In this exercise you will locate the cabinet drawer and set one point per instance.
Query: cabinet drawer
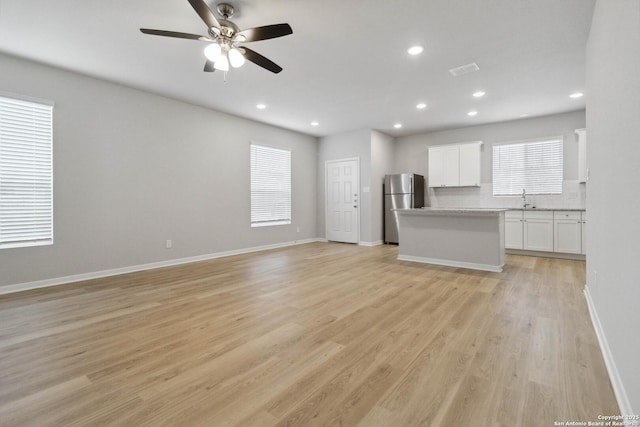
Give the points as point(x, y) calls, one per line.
point(538, 215)
point(571, 215)
point(513, 215)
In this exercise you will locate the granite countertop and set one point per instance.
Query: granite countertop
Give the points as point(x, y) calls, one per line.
point(455, 211)
point(548, 209)
point(435, 209)
point(429, 209)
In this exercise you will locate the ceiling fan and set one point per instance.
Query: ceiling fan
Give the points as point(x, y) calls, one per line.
point(224, 39)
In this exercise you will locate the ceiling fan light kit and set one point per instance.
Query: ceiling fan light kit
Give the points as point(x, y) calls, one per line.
point(224, 37)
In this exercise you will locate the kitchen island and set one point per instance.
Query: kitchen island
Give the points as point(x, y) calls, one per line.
point(456, 237)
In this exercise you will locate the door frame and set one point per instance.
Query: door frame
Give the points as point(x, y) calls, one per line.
point(326, 194)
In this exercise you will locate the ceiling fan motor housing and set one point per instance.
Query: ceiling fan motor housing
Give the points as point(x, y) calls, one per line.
point(225, 37)
point(228, 28)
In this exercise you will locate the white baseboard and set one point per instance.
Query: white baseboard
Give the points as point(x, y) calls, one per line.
point(376, 243)
point(614, 375)
point(449, 263)
point(578, 257)
point(130, 269)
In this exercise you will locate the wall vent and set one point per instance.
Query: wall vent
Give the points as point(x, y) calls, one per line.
point(464, 69)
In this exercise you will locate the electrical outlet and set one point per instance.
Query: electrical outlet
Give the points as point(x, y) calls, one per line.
point(169, 244)
point(298, 229)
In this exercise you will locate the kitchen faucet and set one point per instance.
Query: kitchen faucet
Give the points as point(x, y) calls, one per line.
point(524, 199)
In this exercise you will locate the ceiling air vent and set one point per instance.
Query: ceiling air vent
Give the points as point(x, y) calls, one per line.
point(464, 69)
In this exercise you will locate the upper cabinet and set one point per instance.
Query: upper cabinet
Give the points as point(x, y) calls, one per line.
point(583, 170)
point(444, 166)
point(455, 165)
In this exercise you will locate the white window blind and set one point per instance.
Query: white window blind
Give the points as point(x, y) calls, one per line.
point(534, 166)
point(270, 186)
point(26, 181)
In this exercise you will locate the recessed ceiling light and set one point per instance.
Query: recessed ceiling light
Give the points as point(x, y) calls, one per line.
point(472, 113)
point(397, 125)
point(479, 94)
point(415, 50)
point(314, 123)
point(261, 106)
point(576, 95)
point(421, 106)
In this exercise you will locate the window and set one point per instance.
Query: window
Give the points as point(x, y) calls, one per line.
point(26, 181)
point(534, 166)
point(270, 186)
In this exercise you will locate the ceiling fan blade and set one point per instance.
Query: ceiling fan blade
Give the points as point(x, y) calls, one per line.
point(260, 60)
point(205, 13)
point(266, 32)
point(173, 34)
point(208, 67)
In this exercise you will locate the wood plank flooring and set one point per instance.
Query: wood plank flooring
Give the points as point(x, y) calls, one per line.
point(317, 334)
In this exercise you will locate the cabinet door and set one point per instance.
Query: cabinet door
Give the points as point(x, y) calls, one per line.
point(567, 232)
point(584, 234)
point(513, 233)
point(582, 155)
point(443, 166)
point(470, 164)
point(538, 231)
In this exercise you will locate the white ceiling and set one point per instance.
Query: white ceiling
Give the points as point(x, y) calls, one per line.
point(345, 65)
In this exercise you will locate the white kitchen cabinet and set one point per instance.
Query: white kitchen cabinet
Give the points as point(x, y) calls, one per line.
point(470, 165)
point(513, 230)
point(538, 230)
point(583, 170)
point(444, 166)
point(583, 233)
point(567, 231)
point(455, 165)
point(546, 231)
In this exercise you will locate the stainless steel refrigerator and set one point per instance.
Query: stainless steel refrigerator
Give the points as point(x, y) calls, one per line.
point(401, 191)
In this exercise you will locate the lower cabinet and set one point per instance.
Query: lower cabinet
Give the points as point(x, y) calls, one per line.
point(567, 232)
point(545, 231)
point(584, 233)
point(538, 231)
point(513, 230)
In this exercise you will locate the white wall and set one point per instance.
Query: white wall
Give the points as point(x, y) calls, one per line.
point(613, 141)
point(345, 146)
point(376, 152)
point(412, 155)
point(382, 163)
point(132, 169)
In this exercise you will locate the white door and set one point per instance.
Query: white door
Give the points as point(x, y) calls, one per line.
point(343, 201)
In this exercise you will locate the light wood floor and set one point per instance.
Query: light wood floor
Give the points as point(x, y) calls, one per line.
point(317, 334)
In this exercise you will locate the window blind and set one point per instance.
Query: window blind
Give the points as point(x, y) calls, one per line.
point(534, 166)
point(270, 186)
point(26, 181)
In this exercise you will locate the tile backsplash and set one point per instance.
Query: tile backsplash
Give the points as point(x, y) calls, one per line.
point(573, 197)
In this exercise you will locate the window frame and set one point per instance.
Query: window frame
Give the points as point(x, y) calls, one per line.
point(26, 171)
point(281, 213)
point(536, 174)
